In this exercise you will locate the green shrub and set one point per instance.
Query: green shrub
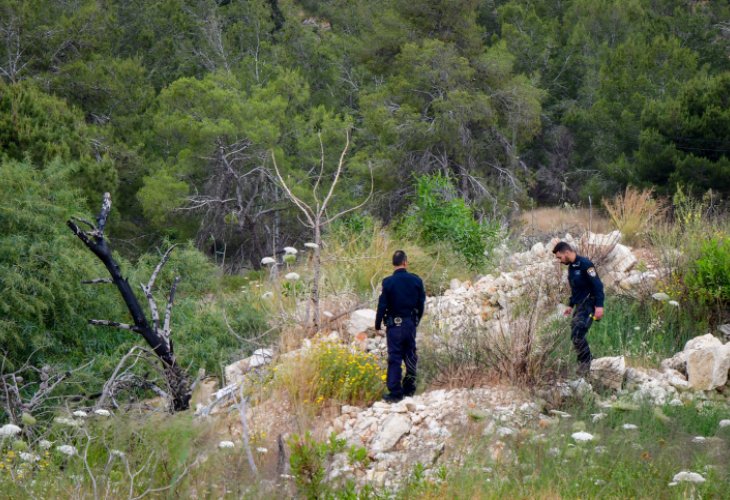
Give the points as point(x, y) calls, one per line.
point(308, 459)
point(438, 214)
point(710, 279)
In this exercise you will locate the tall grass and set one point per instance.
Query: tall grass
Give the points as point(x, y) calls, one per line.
point(632, 211)
point(619, 463)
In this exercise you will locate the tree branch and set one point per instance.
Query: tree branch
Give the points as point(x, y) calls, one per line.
point(115, 324)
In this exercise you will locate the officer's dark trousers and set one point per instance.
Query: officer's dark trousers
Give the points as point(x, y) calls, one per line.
point(402, 347)
point(579, 329)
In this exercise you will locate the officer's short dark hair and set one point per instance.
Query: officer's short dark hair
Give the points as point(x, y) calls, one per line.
point(399, 257)
point(562, 246)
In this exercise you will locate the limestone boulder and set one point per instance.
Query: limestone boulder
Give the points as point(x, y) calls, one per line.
point(707, 368)
point(236, 371)
point(394, 427)
point(360, 321)
point(609, 371)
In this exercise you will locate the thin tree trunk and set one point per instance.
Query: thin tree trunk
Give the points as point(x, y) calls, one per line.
point(157, 338)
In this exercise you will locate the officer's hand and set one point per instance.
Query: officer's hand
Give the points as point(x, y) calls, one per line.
point(568, 311)
point(598, 314)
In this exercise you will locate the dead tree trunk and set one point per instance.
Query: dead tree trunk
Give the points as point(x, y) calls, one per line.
point(155, 334)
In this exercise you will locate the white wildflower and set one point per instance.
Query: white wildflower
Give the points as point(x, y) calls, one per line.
point(673, 303)
point(699, 439)
point(117, 453)
point(292, 276)
point(637, 328)
point(67, 450)
point(267, 295)
point(601, 450)
point(690, 477)
point(28, 457)
point(599, 482)
point(268, 260)
point(225, 444)
point(80, 414)
point(660, 296)
point(290, 250)
point(311, 245)
point(103, 413)
point(582, 437)
point(262, 450)
point(629, 427)
point(66, 421)
point(328, 314)
point(44, 444)
point(598, 416)
point(9, 430)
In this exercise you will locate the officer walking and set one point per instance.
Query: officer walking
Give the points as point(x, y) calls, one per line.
point(400, 306)
point(586, 300)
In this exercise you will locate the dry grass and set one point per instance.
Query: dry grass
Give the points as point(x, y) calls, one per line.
point(561, 220)
point(631, 212)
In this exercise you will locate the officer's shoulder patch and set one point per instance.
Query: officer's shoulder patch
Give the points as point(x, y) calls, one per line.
point(591, 272)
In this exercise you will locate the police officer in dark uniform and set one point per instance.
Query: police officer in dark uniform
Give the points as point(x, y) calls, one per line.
point(586, 300)
point(400, 306)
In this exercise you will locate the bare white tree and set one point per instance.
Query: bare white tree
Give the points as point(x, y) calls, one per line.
point(315, 214)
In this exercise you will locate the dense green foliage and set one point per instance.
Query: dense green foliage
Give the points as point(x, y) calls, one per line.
point(174, 105)
point(438, 214)
point(710, 278)
point(462, 111)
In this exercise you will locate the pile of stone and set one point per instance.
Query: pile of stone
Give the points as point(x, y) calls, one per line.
point(535, 273)
point(422, 429)
point(703, 365)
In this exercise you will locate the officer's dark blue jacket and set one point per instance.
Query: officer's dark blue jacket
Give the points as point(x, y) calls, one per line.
point(403, 296)
point(584, 282)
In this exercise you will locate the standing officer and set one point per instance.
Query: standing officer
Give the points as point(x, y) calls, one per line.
point(586, 300)
point(401, 306)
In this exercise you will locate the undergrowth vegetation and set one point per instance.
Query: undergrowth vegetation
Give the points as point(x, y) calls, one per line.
point(331, 371)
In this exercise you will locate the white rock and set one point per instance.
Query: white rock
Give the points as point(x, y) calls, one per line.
point(260, 357)
point(699, 439)
point(702, 342)
point(724, 423)
point(609, 371)
point(582, 437)
point(560, 414)
point(597, 417)
point(360, 321)
point(690, 477)
point(394, 427)
point(673, 303)
point(80, 414)
point(503, 432)
point(8, 430)
point(676, 402)
point(708, 368)
point(102, 412)
point(226, 444)
point(629, 427)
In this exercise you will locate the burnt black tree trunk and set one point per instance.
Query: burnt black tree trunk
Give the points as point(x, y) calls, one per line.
point(155, 334)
